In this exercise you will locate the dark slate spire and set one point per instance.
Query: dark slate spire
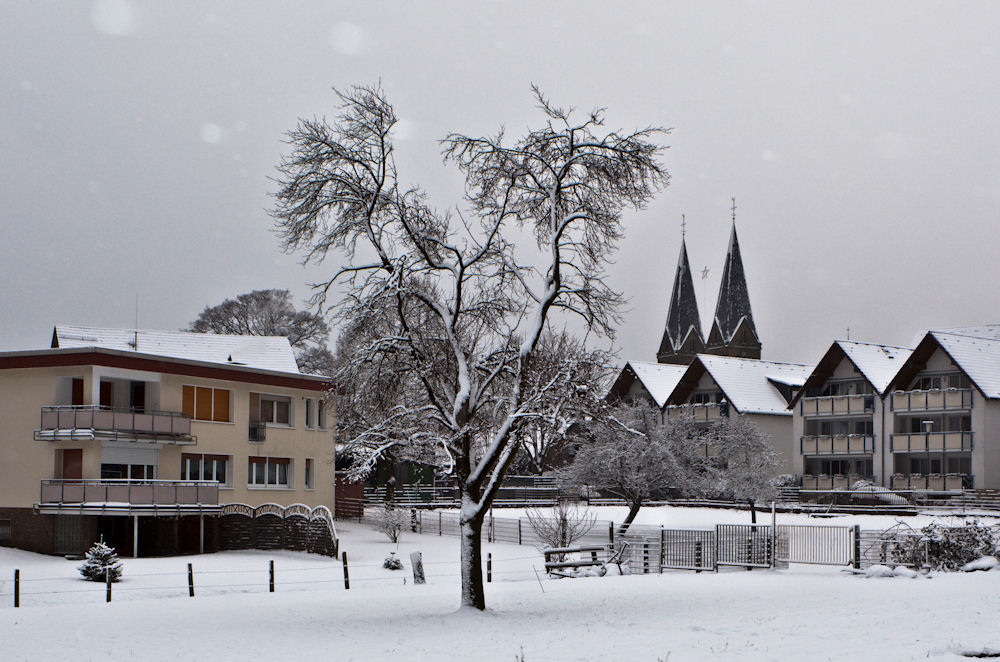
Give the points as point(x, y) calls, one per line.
point(682, 338)
point(733, 331)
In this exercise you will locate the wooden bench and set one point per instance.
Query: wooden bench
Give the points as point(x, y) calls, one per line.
point(553, 567)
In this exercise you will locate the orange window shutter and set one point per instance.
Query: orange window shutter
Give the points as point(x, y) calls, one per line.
point(188, 401)
point(203, 403)
point(221, 405)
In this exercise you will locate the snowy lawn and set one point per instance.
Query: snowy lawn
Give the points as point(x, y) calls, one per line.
point(805, 613)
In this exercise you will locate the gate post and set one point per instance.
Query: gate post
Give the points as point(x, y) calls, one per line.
point(857, 546)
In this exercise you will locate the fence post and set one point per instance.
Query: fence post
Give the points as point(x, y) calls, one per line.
point(518, 530)
point(347, 576)
point(17, 587)
point(698, 555)
point(420, 521)
point(270, 572)
point(489, 567)
point(491, 538)
point(417, 563)
point(857, 546)
point(611, 533)
point(107, 578)
point(439, 522)
point(190, 581)
point(663, 545)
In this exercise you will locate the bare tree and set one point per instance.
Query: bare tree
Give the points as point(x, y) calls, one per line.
point(562, 525)
point(271, 313)
point(635, 457)
point(741, 464)
point(461, 313)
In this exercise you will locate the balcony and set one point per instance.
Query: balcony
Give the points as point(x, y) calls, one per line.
point(931, 441)
point(836, 405)
point(699, 413)
point(835, 482)
point(160, 497)
point(99, 422)
point(932, 482)
point(937, 399)
point(257, 432)
point(837, 444)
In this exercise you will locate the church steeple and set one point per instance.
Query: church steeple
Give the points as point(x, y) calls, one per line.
point(733, 330)
point(682, 338)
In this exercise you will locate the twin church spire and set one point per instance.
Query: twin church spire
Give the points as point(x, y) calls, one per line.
point(733, 332)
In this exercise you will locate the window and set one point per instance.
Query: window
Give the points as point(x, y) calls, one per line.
point(198, 466)
point(321, 414)
point(128, 471)
point(705, 397)
point(941, 381)
point(269, 472)
point(203, 403)
point(309, 474)
point(310, 415)
point(270, 409)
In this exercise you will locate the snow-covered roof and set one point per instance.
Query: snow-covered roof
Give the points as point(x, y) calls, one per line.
point(878, 363)
point(976, 350)
point(747, 385)
point(261, 352)
point(659, 379)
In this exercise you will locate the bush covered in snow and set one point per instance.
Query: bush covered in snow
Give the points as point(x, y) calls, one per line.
point(392, 563)
point(390, 521)
point(102, 562)
point(940, 547)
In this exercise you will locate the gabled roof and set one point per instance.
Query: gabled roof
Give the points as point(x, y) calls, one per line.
point(682, 317)
point(733, 306)
point(262, 352)
point(975, 350)
point(747, 384)
point(878, 364)
point(658, 379)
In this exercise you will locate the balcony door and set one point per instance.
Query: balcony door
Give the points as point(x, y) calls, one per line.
point(72, 464)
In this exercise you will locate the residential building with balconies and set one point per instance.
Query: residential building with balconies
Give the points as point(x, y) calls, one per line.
point(715, 387)
point(841, 427)
point(944, 404)
point(144, 437)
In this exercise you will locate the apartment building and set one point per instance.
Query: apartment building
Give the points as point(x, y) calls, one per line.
point(841, 425)
point(720, 386)
point(145, 437)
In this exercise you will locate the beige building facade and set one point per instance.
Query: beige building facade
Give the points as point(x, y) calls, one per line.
point(146, 450)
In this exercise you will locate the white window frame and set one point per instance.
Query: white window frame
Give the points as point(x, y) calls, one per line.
point(287, 462)
point(309, 474)
point(200, 471)
point(272, 398)
point(310, 413)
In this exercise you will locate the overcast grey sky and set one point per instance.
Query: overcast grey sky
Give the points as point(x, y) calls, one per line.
point(861, 141)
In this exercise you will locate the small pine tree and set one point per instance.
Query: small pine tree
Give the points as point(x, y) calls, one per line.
point(102, 561)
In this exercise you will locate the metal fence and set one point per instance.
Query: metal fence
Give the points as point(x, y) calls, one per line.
point(653, 549)
point(822, 545)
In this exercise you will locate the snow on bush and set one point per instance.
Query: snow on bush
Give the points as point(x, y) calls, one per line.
point(392, 563)
point(984, 563)
point(939, 547)
point(878, 571)
point(102, 563)
point(390, 521)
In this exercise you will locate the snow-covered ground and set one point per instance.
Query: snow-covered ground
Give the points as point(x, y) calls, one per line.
point(804, 613)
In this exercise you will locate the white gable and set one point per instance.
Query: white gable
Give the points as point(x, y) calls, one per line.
point(976, 350)
point(261, 352)
point(660, 379)
point(747, 383)
point(878, 363)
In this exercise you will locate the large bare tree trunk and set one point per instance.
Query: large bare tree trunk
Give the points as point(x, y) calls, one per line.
point(473, 592)
point(633, 510)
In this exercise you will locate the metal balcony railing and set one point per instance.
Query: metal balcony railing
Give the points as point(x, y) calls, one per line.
point(836, 444)
point(834, 405)
point(148, 493)
point(930, 441)
point(943, 399)
point(834, 482)
point(700, 413)
point(257, 431)
point(933, 482)
point(90, 421)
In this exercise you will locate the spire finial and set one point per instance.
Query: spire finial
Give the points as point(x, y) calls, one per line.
point(734, 209)
point(684, 225)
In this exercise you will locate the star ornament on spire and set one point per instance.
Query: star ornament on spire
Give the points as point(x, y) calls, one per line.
point(704, 273)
